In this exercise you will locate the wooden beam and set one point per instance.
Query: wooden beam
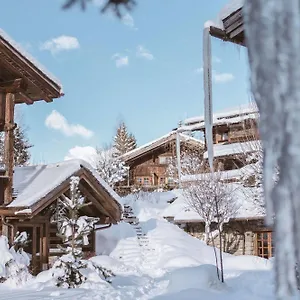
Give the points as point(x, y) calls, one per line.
point(2, 110)
point(13, 86)
point(221, 34)
point(47, 98)
point(108, 202)
point(28, 100)
point(9, 145)
point(94, 200)
point(232, 18)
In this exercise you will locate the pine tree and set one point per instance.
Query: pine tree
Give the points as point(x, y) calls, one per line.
point(110, 167)
point(74, 230)
point(21, 146)
point(123, 141)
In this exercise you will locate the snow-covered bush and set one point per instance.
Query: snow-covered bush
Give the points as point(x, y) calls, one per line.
point(191, 163)
point(14, 261)
point(69, 270)
point(110, 167)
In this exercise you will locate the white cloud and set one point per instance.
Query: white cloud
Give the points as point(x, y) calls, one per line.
point(120, 60)
point(58, 122)
point(142, 52)
point(216, 59)
point(87, 153)
point(222, 77)
point(217, 76)
point(98, 2)
point(61, 43)
point(198, 70)
point(128, 20)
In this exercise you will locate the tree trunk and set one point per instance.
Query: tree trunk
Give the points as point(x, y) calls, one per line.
point(221, 254)
point(216, 255)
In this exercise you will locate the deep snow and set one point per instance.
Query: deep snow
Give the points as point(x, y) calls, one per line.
point(166, 263)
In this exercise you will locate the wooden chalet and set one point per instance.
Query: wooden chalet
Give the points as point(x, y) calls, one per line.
point(148, 164)
point(22, 80)
point(243, 234)
point(235, 134)
point(36, 192)
point(28, 195)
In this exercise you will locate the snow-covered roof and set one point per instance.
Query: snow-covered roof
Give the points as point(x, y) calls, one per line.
point(171, 136)
point(230, 116)
point(234, 148)
point(32, 183)
point(243, 197)
point(236, 174)
point(228, 9)
point(4, 36)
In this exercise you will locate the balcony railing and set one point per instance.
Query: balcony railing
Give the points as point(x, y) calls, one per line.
point(243, 134)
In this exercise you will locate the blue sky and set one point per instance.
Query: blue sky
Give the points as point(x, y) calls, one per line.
point(144, 70)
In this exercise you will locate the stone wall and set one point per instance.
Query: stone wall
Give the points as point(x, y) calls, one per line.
point(238, 237)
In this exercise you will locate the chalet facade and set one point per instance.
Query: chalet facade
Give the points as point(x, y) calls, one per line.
point(149, 163)
point(235, 136)
point(244, 234)
point(36, 192)
point(28, 195)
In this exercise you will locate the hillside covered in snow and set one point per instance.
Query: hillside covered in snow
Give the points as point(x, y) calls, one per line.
point(154, 259)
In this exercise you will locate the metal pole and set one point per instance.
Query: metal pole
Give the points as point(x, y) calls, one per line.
point(178, 158)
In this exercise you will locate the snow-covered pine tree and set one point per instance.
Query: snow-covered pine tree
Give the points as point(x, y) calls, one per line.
point(191, 164)
point(21, 146)
point(110, 167)
point(74, 230)
point(123, 141)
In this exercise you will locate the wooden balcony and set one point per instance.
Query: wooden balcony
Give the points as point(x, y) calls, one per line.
point(245, 134)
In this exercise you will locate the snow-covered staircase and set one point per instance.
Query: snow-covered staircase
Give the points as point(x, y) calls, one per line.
point(138, 250)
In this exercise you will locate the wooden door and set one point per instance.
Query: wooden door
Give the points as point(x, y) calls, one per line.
point(264, 244)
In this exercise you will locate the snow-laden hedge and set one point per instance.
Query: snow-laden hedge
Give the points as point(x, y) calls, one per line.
point(14, 263)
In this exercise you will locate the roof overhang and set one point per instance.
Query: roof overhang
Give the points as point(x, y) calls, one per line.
point(15, 64)
point(233, 28)
point(158, 146)
point(101, 199)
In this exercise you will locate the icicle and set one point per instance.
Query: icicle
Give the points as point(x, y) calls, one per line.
point(273, 42)
point(208, 115)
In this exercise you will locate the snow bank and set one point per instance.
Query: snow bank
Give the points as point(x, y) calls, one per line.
point(201, 277)
point(108, 239)
point(147, 205)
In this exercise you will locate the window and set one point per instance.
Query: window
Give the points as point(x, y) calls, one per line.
point(224, 136)
point(163, 160)
point(170, 180)
point(264, 244)
point(162, 180)
point(146, 181)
